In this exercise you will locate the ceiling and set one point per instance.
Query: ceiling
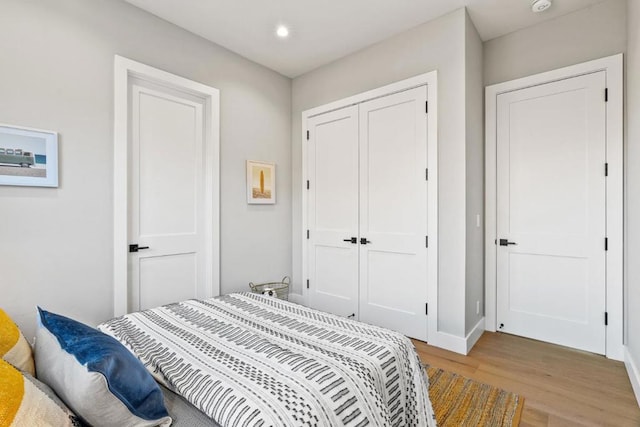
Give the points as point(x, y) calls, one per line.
point(323, 31)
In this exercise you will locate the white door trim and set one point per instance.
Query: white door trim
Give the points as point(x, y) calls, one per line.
point(431, 80)
point(124, 70)
point(613, 67)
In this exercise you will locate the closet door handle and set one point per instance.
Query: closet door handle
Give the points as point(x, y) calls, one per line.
point(505, 242)
point(364, 241)
point(353, 240)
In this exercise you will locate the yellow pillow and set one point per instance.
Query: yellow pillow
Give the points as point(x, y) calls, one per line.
point(14, 348)
point(24, 401)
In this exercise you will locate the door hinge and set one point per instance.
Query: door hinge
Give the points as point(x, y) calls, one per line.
point(426, 241)
point(307, 283)
point(606, 243)
point(606, 319)
point(307, 135)
point(606, 94)
point(606, 169)
point(426, 308)
point(307, 234)
point(426, 107)
point(426, 174)
point(307, 184)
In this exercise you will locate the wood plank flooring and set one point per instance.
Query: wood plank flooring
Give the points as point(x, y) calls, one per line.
point(561, 386)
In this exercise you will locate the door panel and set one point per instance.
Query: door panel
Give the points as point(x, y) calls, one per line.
point(551, 202)
point(166, 165)
point(333, 211)
point(565, 277)
point(179, 271)
point(166, 178)
point(393, 212)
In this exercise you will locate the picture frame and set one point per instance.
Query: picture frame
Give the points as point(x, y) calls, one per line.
point(261, 183)
point(28, 157)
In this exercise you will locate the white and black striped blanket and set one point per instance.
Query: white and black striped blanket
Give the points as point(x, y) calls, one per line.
point(249, 360)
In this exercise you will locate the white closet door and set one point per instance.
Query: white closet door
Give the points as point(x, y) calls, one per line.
point(393, 212)
point(551, 201)
point(333, 211)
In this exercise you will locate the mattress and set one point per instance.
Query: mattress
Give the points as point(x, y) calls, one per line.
point(248, 359)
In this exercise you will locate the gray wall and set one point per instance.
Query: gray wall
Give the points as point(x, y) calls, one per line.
point(57, 73)
point(632, 156)
point(594, 32)
point(474, 118)
point(436, 45)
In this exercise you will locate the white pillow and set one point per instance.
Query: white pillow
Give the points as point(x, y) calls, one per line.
point(96, 376)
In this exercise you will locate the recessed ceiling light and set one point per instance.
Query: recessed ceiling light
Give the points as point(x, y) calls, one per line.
point(540, 5)
point(282, 31)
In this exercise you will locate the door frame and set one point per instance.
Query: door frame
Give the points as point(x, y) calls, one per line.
point(430, 79)
point(124, 70)
point(613, 67)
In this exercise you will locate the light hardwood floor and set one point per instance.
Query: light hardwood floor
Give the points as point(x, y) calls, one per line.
point(561, 386)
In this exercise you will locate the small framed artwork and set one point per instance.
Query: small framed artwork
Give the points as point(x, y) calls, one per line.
point(261, 182)
point(28, 157)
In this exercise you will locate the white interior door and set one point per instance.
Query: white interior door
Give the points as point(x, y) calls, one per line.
point(551, 204)
point(393, 212)
point(167, 199)
point(332, 163)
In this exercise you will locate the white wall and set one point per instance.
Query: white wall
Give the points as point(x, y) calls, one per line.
point(594, 32)
point(632, 156)
point(474, 119)
point(57, 74)
point(436, 45)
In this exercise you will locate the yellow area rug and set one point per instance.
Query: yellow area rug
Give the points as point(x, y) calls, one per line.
point(460, 401)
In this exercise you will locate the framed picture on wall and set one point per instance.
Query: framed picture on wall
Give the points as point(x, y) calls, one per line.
point(261, 182)
point(28, 157)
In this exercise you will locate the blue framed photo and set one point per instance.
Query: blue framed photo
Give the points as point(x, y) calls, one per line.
point(28, 157)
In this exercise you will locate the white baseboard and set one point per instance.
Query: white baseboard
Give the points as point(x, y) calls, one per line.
point(297, 298)
point(633, 372)
point(475, 334)
point(455, 343)
point(448, 342)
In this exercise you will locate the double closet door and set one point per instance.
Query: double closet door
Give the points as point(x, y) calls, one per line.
point(367, 212)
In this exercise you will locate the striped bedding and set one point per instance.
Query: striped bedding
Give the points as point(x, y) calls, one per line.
point(249, 360)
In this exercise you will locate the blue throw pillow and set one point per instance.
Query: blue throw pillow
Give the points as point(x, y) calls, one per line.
point(96, 376)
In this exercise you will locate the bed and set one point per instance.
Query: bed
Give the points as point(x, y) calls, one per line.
point(184, 414)
point(247, 359)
